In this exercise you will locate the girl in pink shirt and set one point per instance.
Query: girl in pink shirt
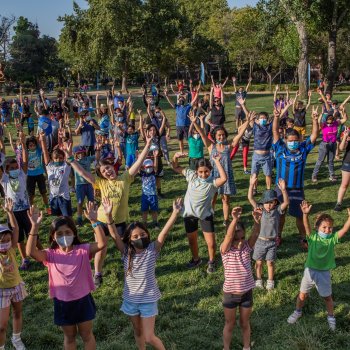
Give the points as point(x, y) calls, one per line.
point(70, 276)
point(239, 281)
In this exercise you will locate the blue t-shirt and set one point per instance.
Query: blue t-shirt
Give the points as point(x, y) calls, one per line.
point(87, 134)
point(132, 143)
point(35, 162)
point(149, 187)
point(182, 112)
point(45, 124)
point(116, 99)
point(105, 124)
point(291, 166)
point(85, 163)
point(262, 137)
point(30, 122)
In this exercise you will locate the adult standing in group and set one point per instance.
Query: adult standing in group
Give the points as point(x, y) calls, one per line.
point(241, 93)
point(182, 119)
point(216, 116)
point(291, 155)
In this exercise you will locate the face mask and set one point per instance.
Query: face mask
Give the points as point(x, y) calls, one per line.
point(65, 241)
point(196, 136)
point(141, 243)
point(207, 180)
point(322, 234)
point(14, 173)
point(219, 142)
point(149, 170)
point(262, 122)
point(120, 119)
point(153, 147)
point(4, 247)
point(293, 145)
point(88, 118)
point(58, 163)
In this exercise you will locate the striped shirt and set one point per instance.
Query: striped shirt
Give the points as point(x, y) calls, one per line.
point(238, 270)
point(291, 166)
point(140, 286)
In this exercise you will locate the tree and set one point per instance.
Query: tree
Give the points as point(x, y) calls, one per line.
point(6, 24)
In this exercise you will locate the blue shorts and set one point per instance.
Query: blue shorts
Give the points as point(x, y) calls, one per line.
point(84, 190)
point(262, 161)
point(60, 206)
point(140, 309)
point(68, 313)
point(296, 196)
point(149, 202)
point(130, 160)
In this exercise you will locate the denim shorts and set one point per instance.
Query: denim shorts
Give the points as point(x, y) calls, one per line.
point(265, 250)
point(60, 206)
point(262, 161)
point(84, 190)
point(149, 202)
point(345, 167)
point(140, 309)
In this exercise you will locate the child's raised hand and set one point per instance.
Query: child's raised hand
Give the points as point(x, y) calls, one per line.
point(180, 155)
point(348, 210)
point(156, 153)
point(305, 207)
point(251, 116)
point(217, 157)
point(8, 205)
point(314, 112)
point(236, 212)
point(241, 101)
point(91, 212)
point(177, 205)
point(107, 205)
point(192, 117)
point(257, 214)
point(276, 113)
point(281, 184)
point(35, 216)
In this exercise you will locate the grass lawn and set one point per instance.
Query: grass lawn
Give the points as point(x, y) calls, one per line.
point(190, 310)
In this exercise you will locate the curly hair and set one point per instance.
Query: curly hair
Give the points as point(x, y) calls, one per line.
point(323, 217)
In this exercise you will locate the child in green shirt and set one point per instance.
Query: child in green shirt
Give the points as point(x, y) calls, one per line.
point(320, 260)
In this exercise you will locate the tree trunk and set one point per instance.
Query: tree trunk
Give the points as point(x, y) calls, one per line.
point(303, 59)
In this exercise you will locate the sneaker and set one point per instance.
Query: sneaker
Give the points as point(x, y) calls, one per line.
point(331, 322)
point(25, 265)
point(259, 284)
point(18, 344)
point(48, 211)
point(294, 317)
point(98, 280)
point(314, 179)
point(194, 263)
point(337, 207)
point(246, 172)
point(332, 179)
point(270, 284)
point(211, 267)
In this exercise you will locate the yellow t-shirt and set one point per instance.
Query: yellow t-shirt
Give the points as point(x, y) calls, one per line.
point(9, 274)
point(118, 192)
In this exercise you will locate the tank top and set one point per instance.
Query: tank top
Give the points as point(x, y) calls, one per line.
point(299, 117)
point(218, 115)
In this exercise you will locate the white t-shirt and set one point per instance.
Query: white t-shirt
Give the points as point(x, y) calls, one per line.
point(58, 178)
point(199, 196)
point(16, 189)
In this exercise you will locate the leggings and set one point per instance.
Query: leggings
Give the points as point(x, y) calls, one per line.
point(325, 149)
point(245, 152)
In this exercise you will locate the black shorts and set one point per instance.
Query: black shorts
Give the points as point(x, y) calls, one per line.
point(24, 224)
point(182, 132)
point(231, 301)
point(69, 313)
point(191, 224)
point(120, 229)
point(192, 162)
point(32, 181)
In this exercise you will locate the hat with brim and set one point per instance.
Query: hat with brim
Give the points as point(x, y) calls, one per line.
point(268, 196)
point(79, 149)
point(5, 229)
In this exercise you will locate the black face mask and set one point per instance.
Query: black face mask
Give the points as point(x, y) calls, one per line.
point(141, 243)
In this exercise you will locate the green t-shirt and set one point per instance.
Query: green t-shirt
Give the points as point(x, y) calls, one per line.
point(195, 147)
point(321, 251)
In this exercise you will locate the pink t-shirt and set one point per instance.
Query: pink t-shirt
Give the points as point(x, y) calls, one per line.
point(238, 270)
point(329, 132)
point(70, 276)
point(217, 92)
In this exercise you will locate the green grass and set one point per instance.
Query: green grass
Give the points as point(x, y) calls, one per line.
point(191, 314)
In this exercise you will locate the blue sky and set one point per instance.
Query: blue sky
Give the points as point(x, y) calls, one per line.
point(45, 12)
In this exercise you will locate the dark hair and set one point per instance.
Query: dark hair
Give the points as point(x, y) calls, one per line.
point(103, 162)
point(151, 126)
point(10, 161)
point(290, 120)
point(204, 162)
point(294, 133)
point(265, 114)
point(57, 152)
point(241, 224)
point(31, 139)
point(56, 224)
point(323, 217)
point(335, 102)
point(216, 129)
point(42, 110)
point(131, 126)
point(127, 241)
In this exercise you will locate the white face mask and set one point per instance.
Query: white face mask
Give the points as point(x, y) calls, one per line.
point(4, 247)
point(65, 241)
point(196, 136)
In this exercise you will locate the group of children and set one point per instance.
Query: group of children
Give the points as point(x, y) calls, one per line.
point(112, 138)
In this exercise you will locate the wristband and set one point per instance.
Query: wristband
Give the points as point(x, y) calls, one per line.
point(95, 224)
point(70, 159)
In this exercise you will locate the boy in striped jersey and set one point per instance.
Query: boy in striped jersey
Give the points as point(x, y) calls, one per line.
point(291, 155)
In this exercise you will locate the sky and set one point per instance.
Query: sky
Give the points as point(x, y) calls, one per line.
point(46, 12)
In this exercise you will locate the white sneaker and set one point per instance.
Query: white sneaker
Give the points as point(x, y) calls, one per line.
point(331, 322)
point(259, 284)
point(294, 317)
point(270, 284)
point(18, 344)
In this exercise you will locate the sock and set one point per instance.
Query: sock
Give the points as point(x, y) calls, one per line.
point(25, 260)
point(16, 336)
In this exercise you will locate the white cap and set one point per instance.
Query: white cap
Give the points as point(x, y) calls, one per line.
point(147, 163)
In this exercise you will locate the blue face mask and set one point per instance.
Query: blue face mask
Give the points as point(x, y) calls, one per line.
point(293, 145)
point(207, 180)
point(262, 122)
point(219, 142)
point(58, 163)
point(14, 173)
point(322, 234)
